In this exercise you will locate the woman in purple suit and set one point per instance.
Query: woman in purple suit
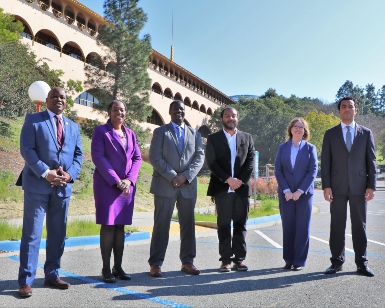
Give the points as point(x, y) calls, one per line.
point(295, 170)
point(116, 156)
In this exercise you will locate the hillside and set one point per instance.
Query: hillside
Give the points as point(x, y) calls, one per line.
point(82, 203)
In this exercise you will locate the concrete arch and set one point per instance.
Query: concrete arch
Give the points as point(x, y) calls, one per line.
point(168, 93)
point(187, 101)
point(195, 105)
point(155, 118)
point(73, 50)
point(48, 38)
point(202, 108)
point(204, 130)
point(69, 14)
point(95, 59)
point(209, 111)
point(178, 96)
point(157, 88)
point(81, 21)
point(91, 27)
point(27, 32)
point(57, 8)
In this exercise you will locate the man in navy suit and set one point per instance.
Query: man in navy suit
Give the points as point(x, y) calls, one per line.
point(230, 158)
point(348, 170)
point(51, 147)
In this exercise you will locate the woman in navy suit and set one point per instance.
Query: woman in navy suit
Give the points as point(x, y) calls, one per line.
point(295, 170)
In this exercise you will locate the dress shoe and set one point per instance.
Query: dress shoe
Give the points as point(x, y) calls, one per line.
point(108, 277)
point(364, 270)
point(120, 274)
point(297, 268)
point(334, 268)
point(57, 284)
point(25, 291)
point(287, 267)
point(190, 268)
point(155, 271)
point(225, 267)
point(240, 266)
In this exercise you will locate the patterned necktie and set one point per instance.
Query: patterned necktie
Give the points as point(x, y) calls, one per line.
point(180, 139)
point(59, 131)
point(348, 138)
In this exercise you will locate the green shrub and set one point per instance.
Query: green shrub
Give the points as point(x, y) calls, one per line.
point(8, 190)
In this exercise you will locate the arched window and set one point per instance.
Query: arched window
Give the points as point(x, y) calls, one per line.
point(86, 99)
point(157, 88)
point(204, 130)
point(155, 118)
point(195, 105)
point(168, 93)
point(202, 108)
point(178, 96)
point(187, 101)
point(209, 111)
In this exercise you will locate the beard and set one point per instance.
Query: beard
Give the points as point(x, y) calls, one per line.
point(230, 126)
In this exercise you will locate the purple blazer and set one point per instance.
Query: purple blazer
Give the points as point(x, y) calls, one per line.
point(113, 163)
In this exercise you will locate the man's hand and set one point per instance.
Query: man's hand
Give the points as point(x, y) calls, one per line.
point(288, 195)
point(179, 180)
point(296, 195)
point(234, 183)
point(369, 194)
point(328, 194)
point(57, 177)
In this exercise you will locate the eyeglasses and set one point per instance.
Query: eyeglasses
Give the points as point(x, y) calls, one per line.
point(298, 127)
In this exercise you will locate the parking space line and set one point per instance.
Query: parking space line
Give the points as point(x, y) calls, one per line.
point(379, 243)
point(276, 245)
point(114, 288)
point(326, 242)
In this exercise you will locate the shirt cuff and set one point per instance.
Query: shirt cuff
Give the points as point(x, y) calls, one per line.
point(286, 191)
point(300, 190)
point(45, 174)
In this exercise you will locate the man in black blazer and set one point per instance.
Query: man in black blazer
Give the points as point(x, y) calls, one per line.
point(348, 169)
point(230, 157)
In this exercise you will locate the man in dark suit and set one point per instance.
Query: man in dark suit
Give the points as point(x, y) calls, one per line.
point(230, 158)
point(348, 172)
point(51, 147)
point(177, 155)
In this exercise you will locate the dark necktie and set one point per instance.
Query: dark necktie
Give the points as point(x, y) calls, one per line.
point(59, 131)
point(348, 138)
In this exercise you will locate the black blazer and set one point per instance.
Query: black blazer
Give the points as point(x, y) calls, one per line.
point(345, 171)
point(218, 158)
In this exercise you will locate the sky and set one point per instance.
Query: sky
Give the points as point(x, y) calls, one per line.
point(301, 47)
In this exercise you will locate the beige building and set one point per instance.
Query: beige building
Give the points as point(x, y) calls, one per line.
point(64, 32)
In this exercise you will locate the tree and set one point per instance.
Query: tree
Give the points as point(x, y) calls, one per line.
point(10, 30)
point(127, 78)
point(319, 122)
point(380, 144)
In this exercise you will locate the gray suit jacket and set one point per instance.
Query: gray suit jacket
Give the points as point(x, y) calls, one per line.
point(168, 162)
point(345, 171)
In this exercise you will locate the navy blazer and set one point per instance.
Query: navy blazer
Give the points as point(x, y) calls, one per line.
point(304, 172)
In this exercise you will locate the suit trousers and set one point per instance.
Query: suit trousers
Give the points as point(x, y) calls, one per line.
point(164, 208)
point(35, 208)
point(231, 206)
point(296, 217)
point(338, 213)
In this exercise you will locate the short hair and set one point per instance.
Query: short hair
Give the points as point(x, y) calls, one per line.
point(227, 108)
point(109, 108)
point(347, 98)
point(175, 102)
point(306, 135)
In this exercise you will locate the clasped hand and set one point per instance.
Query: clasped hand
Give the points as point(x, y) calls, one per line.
point(125, 186)
point(58, 177)
point(179, 180)
point(234, 183)
point(293, 196)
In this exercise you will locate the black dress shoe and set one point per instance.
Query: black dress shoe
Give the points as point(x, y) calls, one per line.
point(287, 267)
point(297, 268)
point(108, 277)
point(334, 268)
point(120, 274)
point(364, 270)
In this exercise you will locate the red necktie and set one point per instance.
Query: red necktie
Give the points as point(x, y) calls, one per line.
point(59, 131)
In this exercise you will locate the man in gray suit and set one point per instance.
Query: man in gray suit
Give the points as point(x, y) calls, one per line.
point(177, 155)
point(348, 169)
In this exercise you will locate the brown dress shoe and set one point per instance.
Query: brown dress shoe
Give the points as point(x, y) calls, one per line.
point(155, 271)
point(189, 268)
point(225, 267)
point(240, 266)
point(25, 291)
point(57, 284)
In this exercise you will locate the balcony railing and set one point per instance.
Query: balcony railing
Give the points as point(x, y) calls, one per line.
point(57, 13)
point(80, 25)
point(44, 6)
point(91, 32)
point(69, 19)
point(30, 1)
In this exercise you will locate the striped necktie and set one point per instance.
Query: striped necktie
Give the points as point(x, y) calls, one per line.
point(59, 131)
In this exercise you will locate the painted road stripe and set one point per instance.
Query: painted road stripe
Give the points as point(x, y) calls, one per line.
point(326, 242)
point(276, 245)
point(112, 288)
point(369, 240)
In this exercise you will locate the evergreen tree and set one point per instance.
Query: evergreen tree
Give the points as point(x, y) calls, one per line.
point(127, 56)
point(10, 30)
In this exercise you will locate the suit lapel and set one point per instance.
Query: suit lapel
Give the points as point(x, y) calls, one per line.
point(114, 137)
point(357, 135)
point(287, 155)
point(223, 138)
point(300, 153)
point(173, 135)
point(51, 129)
point(67, 129)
